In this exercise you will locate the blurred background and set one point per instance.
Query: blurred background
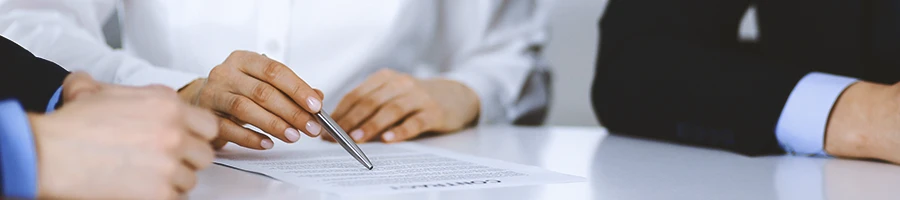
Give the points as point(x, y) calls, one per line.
point(573, 29)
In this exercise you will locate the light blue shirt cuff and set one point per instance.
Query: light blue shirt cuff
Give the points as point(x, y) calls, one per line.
point(801, 126)
point(17, 153)
point(51, 106)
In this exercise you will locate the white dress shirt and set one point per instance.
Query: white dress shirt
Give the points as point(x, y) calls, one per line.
point(491, 46)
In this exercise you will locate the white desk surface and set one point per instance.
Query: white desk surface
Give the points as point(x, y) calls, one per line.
point(616, 167)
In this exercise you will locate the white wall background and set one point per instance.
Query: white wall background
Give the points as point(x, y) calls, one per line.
point(573, 28)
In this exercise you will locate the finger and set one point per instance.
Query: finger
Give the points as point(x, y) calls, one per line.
point(184, 179)
point(196, 152)
point(367, 105)
point(246, 110)
point(218, 143)
point(78, 84)
point(410, 127)
point(388, 115)
point(201, 122)
point(234, 119)
point(327, 137)
point(283, 78)
point(372, 83)
point(275, 102)
point(241, 136)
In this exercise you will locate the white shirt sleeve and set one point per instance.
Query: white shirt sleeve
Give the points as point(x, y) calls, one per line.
point(70, 34)
point(498, 55)
point(801, 126)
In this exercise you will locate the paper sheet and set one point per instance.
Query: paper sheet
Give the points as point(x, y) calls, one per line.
point(399, 168)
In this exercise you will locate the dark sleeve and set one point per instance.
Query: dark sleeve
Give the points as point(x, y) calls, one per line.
point(27, 78)
point(674, 70)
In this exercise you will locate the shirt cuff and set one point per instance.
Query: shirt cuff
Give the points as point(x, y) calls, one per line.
point(51, 106)
point(801, 126)
point(17, 153)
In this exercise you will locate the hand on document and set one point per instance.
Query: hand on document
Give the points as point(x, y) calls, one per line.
point(117, 142)
point(392, 106)
point(251, 88)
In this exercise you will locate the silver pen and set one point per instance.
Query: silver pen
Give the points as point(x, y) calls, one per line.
point(342, 138)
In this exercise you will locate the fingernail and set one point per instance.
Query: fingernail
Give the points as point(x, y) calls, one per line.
point(357, 135)
point(388, 136)
point(313, 128)
point(313, 104)
point(292, 134)
point(266, 144)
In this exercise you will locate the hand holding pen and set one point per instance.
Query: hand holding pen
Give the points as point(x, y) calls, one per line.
point(252, 88)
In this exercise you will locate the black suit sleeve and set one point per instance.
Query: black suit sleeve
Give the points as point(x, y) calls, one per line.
point(674, 70)
point(29, 79)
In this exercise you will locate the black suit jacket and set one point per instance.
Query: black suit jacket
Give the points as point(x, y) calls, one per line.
point(26, 78)
point(675, 69)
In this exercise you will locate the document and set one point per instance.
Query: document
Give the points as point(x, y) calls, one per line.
point(399, 168)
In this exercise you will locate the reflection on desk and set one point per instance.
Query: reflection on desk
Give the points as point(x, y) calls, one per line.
point(617, 167)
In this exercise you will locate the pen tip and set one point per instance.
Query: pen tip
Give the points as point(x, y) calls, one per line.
point(370, 167)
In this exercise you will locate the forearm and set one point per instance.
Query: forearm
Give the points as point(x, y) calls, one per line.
point(504, 66)
point(190, 92)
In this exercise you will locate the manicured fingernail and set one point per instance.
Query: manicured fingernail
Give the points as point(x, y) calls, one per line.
point(313, 128)
point(357, 135)
point(314, 104)
point(266, 144)
point(292, 134)
point(388, 136)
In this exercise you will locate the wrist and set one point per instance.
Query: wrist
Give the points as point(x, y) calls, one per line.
point(189, 92)
point(47, 129)
point(44, 186)
point(850, 124)
point(37, 122)
point(466, 100)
